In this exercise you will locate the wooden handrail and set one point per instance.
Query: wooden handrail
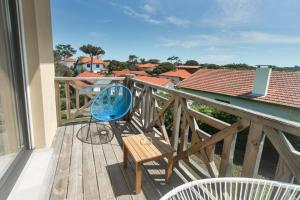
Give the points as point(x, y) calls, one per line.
point(273, 121)
point(88, 78)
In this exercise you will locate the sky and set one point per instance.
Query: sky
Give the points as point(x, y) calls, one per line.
point(209, 31)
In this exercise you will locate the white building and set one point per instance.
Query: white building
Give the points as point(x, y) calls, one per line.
point(69, 62)
point(98, 64)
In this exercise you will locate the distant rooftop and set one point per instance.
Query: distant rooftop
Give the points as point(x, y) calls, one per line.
point(284, 87)
point(70, 60)
point(127, 71)
point(86, 74)
point(181, 73)
point(96, 60)
point(147, 65)
point(154, 80)
point(188, 66)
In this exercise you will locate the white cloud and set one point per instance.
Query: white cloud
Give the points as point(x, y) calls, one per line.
point(148, 8)
point(229, 39)
point(233, 12)
point(148, 16)
point(255, 37)
point(145, 17)
point(177, 21)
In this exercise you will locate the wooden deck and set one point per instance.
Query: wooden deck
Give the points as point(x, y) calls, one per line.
point(95, 171)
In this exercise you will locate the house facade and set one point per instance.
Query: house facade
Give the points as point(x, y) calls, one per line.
point(69, 62)
point(271, 92)
point(99, 65)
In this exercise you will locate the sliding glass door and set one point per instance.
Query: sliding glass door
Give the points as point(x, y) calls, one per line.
point(13, 118)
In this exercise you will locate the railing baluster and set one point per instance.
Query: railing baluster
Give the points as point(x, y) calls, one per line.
point(57, 98)
point(253, 151)
point(68, 107)
point(176, 123)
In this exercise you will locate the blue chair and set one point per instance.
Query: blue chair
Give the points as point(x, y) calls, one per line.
point(112, 104)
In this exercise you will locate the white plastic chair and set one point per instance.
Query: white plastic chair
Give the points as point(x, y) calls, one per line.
point(234, 189)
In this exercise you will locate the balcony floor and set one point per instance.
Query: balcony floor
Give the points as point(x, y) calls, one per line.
point(95, 171)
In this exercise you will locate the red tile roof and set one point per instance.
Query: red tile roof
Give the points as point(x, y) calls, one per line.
point(89, 74)
point(86, 74)
point(96, 60)
point(188, 66)
point(127, 71)
point(70, 59)
point(284, 87)
point(147, 65)
point(181, 73)
point(154, 80)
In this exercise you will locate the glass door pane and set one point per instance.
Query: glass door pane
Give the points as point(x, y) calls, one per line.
point(11, 140)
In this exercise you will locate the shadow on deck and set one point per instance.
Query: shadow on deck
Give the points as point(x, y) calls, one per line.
point(91, 170)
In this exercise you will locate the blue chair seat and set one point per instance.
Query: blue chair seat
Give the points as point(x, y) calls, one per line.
point(113, 103)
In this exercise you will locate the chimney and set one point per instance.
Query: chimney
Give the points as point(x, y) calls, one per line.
point(261, 81)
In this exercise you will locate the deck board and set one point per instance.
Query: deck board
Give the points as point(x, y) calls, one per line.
point(95, 171)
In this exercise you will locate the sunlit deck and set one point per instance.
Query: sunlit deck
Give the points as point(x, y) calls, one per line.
point(204, 145)
point(95, 171)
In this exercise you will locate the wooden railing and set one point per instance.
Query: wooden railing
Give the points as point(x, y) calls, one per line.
point(74, 96)
point(192, 144)
point(195, 149)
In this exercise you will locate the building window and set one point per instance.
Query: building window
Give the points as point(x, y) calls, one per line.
point(97, 66)
point(88, 65)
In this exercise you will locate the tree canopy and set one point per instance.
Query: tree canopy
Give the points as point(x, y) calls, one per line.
point(191, 63)
point(174, 60)
point(153, 61)
point(92, 51)
point(133, 59)
point(64, 51)
point(116, 65)
point(164, 67)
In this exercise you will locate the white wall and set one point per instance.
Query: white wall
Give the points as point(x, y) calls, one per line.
point(95, 69)
point(36, 23)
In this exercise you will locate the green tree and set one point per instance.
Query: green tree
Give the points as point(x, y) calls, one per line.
point(132, 59)
point(56, 57)
point(142, 60)
point(92, 51)
point(64, 51)
point(153, 61)
point(62, 70)
point(191, 63)
point(174, 60)
point(116, 65)
point(164, 67)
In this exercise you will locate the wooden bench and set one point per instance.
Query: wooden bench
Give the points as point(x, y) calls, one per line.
point(142, 153)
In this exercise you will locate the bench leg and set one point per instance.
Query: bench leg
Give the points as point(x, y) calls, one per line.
point(169, 169)
point(138, 178)
point(125, 156)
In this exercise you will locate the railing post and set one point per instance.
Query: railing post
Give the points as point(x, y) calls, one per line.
point(57, 99)
point(77, 99)
point(176, 124)
point(147, 108)
point(68, 107)
point(130, 83)
point(253, 151)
